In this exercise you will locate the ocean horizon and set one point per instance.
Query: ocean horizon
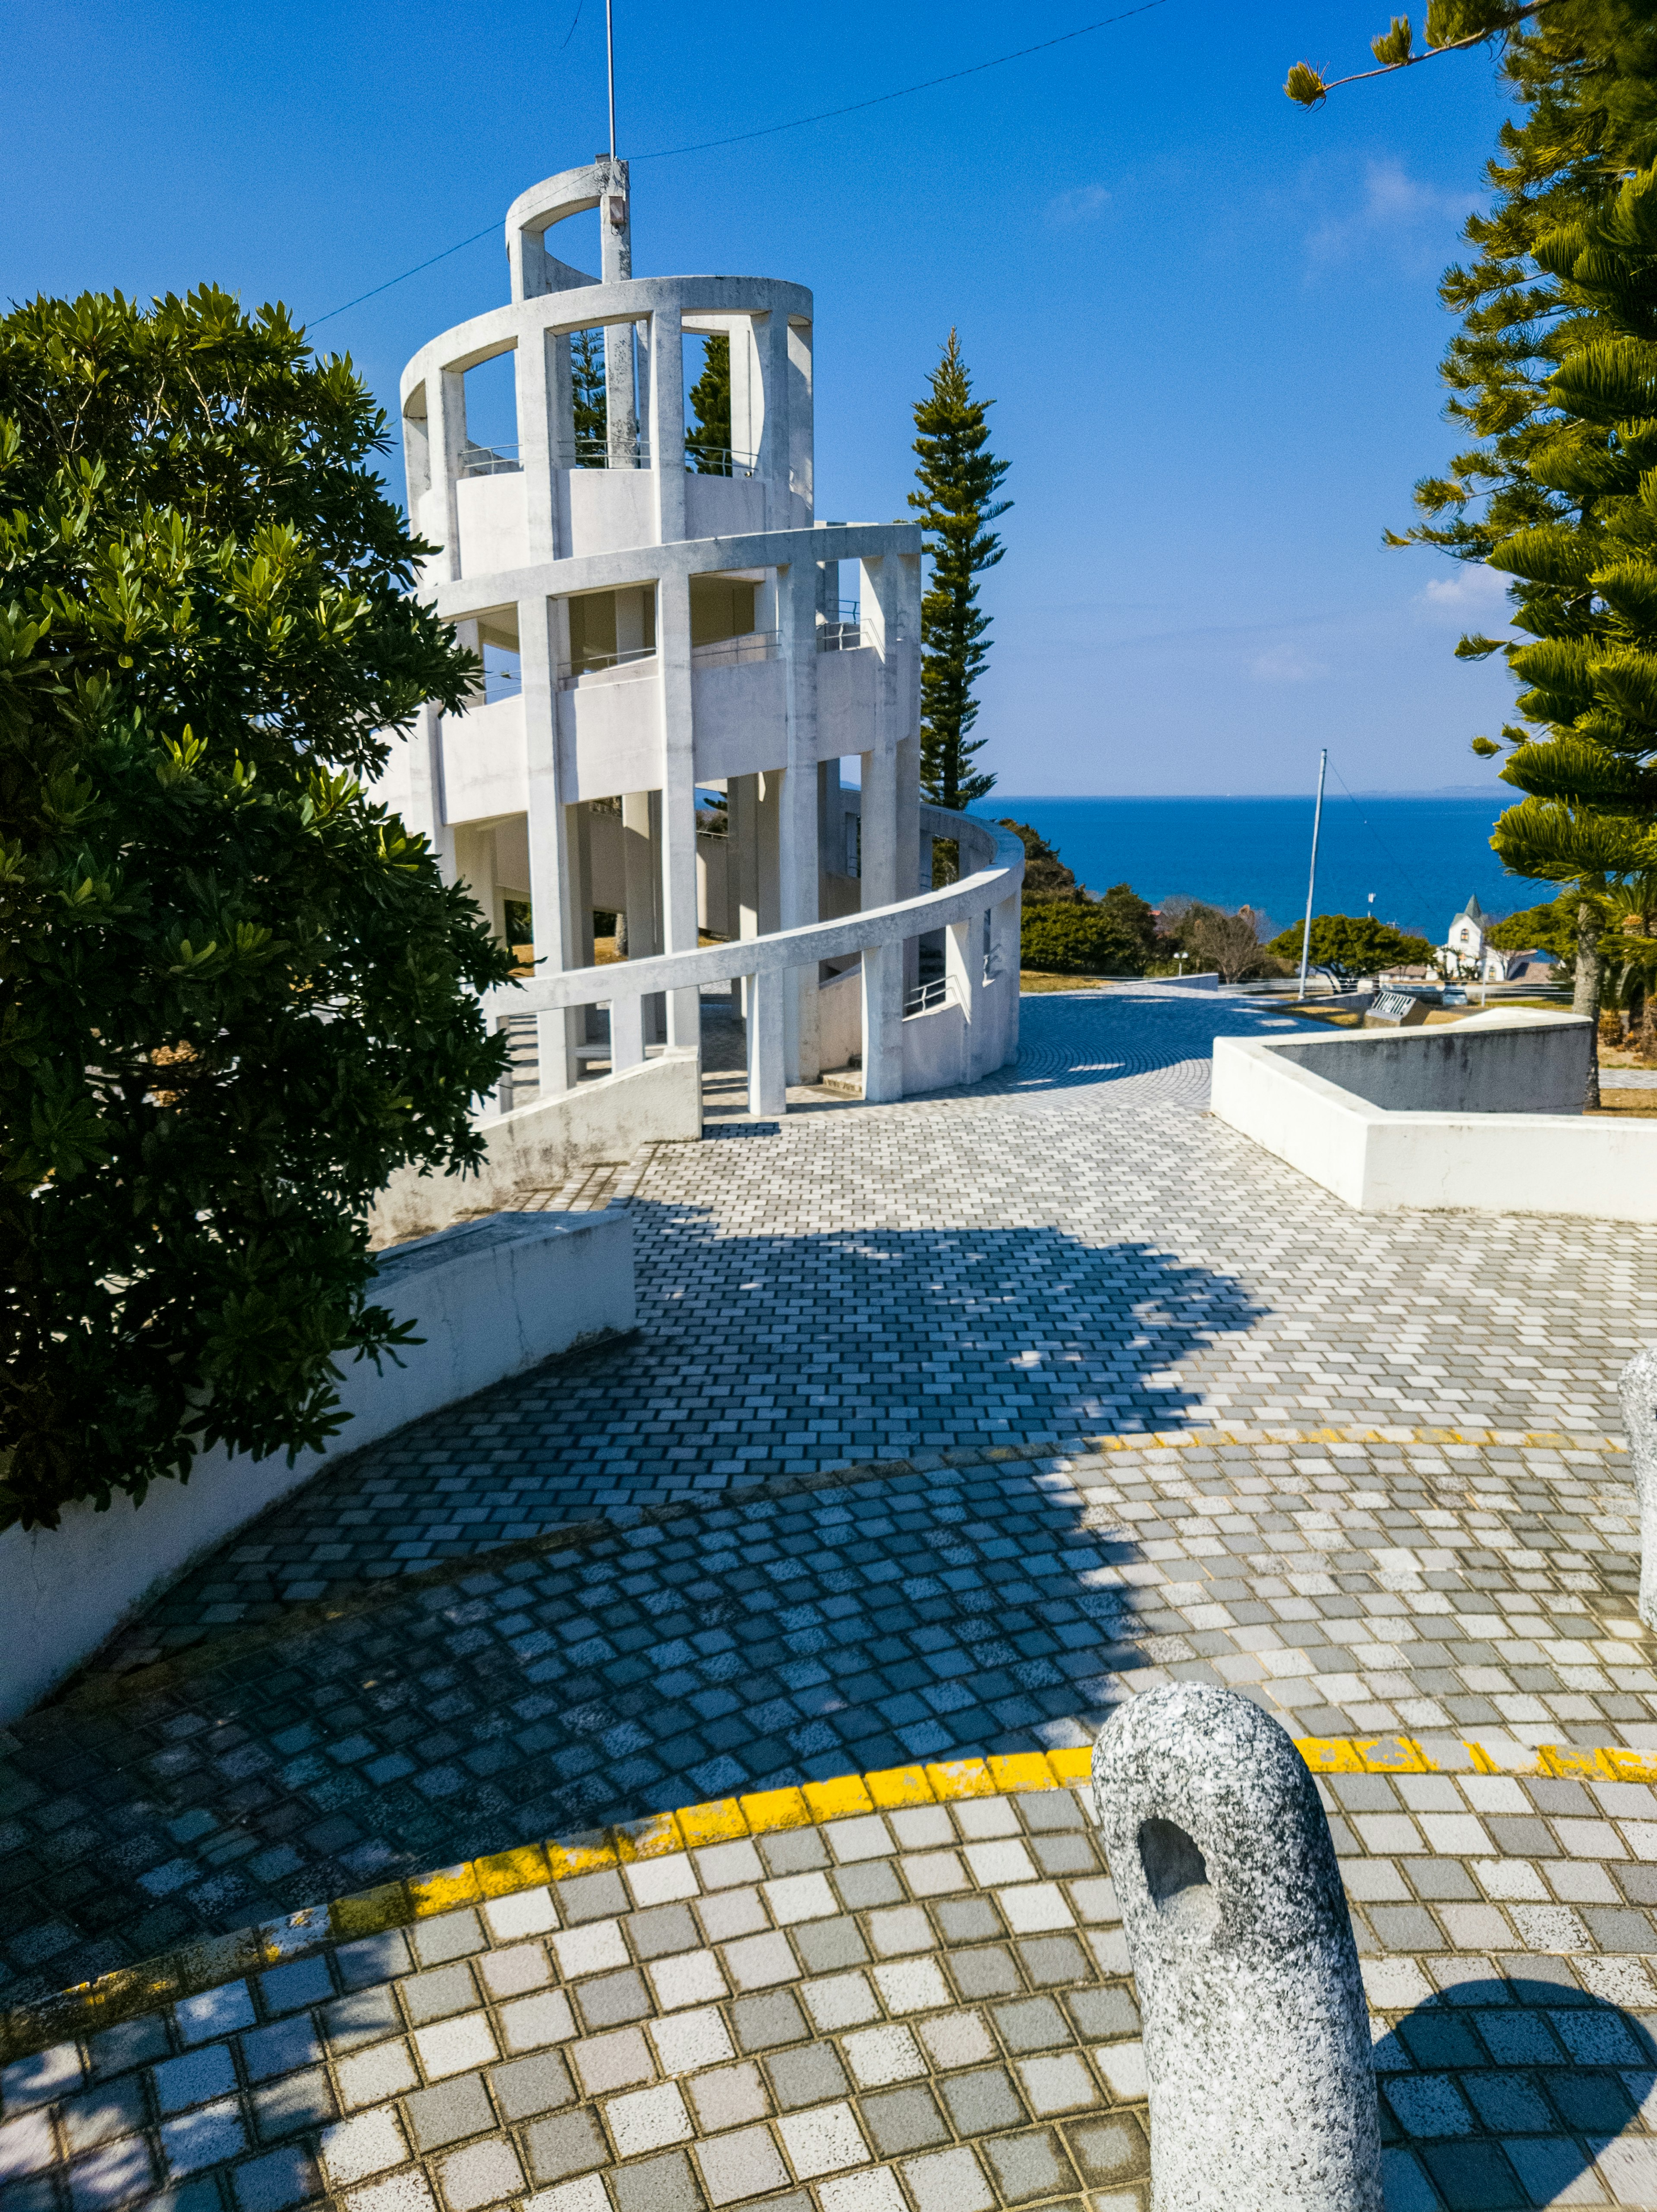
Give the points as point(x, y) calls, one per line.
point(1421, 856)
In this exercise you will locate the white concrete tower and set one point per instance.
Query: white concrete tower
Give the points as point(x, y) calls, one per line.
point(673, 630)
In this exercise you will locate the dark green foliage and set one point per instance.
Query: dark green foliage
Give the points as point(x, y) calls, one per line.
point(1353, 944)
point(1554, 372)
point(1063, 939)
point(708, 442)
point(589, 398)
point(958, 477)
point(1046, 876)
point(1549, 928)
point(234, 995)
point(1134, 916)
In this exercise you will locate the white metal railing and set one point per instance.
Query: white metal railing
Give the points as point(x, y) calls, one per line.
point(990, 1022)
point(751, 645)
point(599, 454)
point(596, 453)
point(727, 461)
point(570, 672)
point(489, 460)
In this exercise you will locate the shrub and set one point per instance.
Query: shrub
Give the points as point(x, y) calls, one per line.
point(1061, 939)
point(235, 994)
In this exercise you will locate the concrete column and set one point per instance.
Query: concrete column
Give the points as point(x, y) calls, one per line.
point(642, 382)
point(446, 415)
point(797, 836)
point(743, 794)
point(475, 861)
point(626, 1032)
point(551, 861)
point(562, 412)
point(771, 333)
point(799, 416)
point(963, 968)
point(616, 237)
point(677, 801)
point(747, 396)
point(536, 395)
point(767, 1075)
point(768, 791)
point(640, 820)
point(425, 744)
point(667, 420)
point(883, 1023)
point(638, 864)
point(1004, 955)
point(879, 828)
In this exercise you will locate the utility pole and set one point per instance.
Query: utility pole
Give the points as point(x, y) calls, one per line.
point(1312, 881)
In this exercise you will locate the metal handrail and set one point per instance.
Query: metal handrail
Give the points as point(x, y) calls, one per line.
point(596, 453)
point(750, 645)
point(926, 996)
point(570, 672)
point(490, 460)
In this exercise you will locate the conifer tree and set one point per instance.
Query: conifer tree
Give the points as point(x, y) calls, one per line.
point(1554, 372)
point(590, 405)
point(958, 477)
point(709, 443)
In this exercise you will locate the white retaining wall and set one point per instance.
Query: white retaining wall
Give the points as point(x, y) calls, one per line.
point(493, 1299)
point(1499, 1159)
point(538, 1147)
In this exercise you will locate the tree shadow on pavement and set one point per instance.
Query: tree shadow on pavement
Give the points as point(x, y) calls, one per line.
point(759, 1638)
point(1517, 2091)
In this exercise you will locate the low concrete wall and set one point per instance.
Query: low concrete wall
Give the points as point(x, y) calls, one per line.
point(538, 1147)
point(1382, 1160)
point(1518, 1062)
point(493, 1299)
point(840, 1017)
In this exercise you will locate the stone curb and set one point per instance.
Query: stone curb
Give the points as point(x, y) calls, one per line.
point(101, 1686)
point(90, 2007)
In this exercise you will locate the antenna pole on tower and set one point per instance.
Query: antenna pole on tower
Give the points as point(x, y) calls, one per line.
point(610, 52)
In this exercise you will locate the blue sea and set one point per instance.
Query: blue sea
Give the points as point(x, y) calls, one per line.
point(1422, 857)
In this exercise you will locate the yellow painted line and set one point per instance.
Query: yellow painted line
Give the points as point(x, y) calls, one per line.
point(134, 1989)
point(1179, 1439)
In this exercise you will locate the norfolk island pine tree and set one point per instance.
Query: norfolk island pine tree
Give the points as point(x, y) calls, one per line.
point(1552, 372)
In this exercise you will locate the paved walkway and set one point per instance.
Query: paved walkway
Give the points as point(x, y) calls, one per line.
point(947, 1425)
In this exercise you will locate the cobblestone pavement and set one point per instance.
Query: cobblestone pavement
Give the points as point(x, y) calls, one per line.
point(928, 1613)
point(1083, 1251)
point(911, 2002)
point(947, 1425)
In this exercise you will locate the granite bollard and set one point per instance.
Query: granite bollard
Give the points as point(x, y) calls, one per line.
point(1256, 2032)
point(1636, 1386)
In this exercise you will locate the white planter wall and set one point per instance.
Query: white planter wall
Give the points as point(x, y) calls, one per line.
point(1497, 1155)
point(493, 1299)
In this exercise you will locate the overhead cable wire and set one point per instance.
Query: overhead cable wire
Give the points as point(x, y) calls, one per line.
point(1390, 855)
point(928, 85)
point(771, 130)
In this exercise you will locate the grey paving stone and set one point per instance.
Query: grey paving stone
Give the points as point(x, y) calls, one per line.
point(762, 2023)
point(1026, 2167)
point(568, 2143)
point(449, 2112)
point(980, 2100)
point(903, 2120)
point(806, 2076)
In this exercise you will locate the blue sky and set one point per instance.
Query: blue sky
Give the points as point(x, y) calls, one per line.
point(1209, 319)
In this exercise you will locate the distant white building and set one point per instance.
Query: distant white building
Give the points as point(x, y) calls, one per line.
point(1468, 954)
